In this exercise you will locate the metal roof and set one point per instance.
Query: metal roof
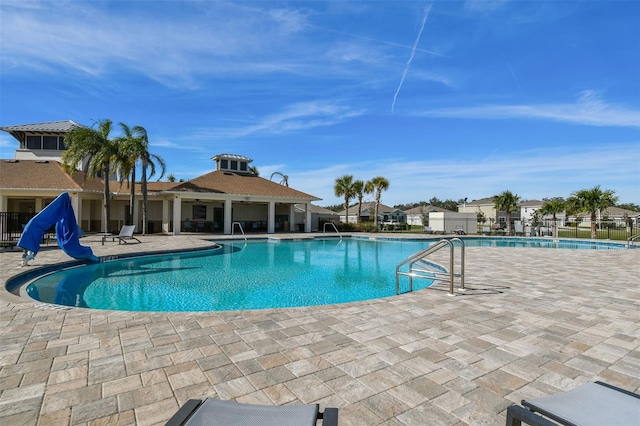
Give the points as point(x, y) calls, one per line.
point(232, 157)
point(51, 126)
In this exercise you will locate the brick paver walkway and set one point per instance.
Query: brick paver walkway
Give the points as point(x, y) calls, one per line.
point(534, 322)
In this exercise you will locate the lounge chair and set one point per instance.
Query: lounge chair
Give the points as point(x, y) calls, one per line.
point(215, 411)
point(486, 230)
point(594, 403)
point(125, 235)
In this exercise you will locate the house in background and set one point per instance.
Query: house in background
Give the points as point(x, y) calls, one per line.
point(420, 215)
point(385, 214)
point(218, 202)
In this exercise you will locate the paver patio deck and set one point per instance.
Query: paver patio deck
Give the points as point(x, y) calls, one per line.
point(534, 322)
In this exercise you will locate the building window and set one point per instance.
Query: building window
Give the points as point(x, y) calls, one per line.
point(61, 145)
point(243, 166)
point(224, 164)
point(234, 165)
point(50, 142)
point(34, 142)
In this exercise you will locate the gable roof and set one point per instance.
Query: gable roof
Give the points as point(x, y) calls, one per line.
point(426, 209)
point(369, 207)
point(43, 174)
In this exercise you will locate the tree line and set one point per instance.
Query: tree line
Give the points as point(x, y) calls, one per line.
point(591, 201)
point(102, 156)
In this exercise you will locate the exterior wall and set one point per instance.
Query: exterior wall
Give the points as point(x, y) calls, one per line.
point(449, 222)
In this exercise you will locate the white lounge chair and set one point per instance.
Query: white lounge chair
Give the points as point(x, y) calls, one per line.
point(125, 235)
point(214, 411)
point(594, 403)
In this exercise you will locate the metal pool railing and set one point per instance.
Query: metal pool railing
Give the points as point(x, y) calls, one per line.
point(420, 267)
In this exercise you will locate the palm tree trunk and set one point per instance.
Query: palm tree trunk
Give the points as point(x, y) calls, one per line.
point(594, 230)
point(376, 211)
point(144, 197)
point(346, 210)
point(107, 198)
point(132, 197)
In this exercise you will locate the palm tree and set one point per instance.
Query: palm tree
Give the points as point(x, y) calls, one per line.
point(135, 146)
point(506, 202)
point(553, 207)
point(148, 162)
point(253, 171)
point(377, 185)
point(94, 151)
point(344, 187)
point(130, 147)
point(593, 201)
point(359, 191)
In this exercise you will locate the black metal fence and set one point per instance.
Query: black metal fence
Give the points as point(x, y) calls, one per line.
point(11, 225)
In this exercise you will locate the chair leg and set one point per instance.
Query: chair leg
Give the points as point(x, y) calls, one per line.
point(516, 415)
point(183, 414)
point(329, 417)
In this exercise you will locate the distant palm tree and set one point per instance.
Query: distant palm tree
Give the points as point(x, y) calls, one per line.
point(344, 188)
point(592, 201)
point(359, 191)
point(553, 207)
point(377, 185)
point(253, 171)
point(95, 151)
point(506, 202)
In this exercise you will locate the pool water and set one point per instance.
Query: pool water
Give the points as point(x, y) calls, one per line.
point(248, 275)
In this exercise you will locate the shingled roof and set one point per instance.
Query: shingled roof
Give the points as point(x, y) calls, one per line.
point(43, 174)
point(223, 182)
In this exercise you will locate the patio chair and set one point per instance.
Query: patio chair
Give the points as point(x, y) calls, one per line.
point(594, 403)
point(125, 235)
point(215, 411)
point(486, 230)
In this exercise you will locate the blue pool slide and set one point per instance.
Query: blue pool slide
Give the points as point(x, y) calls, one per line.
point(59, 213)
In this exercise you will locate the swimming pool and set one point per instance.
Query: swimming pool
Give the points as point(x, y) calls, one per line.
point(252, 275)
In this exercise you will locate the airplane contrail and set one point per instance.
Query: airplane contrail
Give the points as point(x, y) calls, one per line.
point(413, 52)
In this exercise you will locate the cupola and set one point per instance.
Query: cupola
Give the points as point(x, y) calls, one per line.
point(232, 163)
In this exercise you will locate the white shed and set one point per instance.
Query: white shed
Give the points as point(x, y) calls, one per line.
point(450, 222)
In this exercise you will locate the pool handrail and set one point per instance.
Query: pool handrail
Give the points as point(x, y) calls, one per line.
point(631, 240)
point(324, 229)
point(233, 227)
point(450, 273)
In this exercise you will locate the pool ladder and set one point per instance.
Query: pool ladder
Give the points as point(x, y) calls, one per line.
point(420, 267)
point(324, 229)
point(631, 240)
point(233, 227)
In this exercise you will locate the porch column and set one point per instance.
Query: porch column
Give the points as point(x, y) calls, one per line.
point(227, 217)
point(271, 218)
point(307, 222)
point(76, 205)
point(38, 205)
point(177, 214)
point(165, 216)
point(4, 203)
point(292, 218)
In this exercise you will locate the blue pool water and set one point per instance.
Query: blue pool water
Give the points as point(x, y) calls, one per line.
point(253, 275)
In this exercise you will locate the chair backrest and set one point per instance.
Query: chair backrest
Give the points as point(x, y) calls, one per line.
point(127, 231)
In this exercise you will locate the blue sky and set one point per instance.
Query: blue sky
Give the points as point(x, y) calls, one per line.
point(445, 99)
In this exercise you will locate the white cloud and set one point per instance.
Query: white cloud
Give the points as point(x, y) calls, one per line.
point(295, 117)
point(588, 110)
point(531, 174)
